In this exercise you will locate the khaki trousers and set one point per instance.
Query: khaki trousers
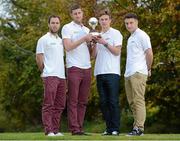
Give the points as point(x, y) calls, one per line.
point(135, 90)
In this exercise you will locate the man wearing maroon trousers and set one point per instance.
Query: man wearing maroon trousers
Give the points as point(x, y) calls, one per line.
point(49, 58)
point(75, 37)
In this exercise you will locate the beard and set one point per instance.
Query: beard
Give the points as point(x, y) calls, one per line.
point(54, 31)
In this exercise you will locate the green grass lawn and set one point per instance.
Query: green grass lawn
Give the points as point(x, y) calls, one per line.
point(93, 136)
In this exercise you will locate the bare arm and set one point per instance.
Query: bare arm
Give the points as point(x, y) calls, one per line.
point(116, 50)
point(69, 45)
point(149, 60)
point(40, 61)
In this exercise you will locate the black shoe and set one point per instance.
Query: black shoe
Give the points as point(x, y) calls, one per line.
point(105, 133)
point(81, 134)
point(136, 132)
point(77, 133)
point(85, 134)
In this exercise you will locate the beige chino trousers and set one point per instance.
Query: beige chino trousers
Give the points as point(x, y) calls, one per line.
point(135, 86)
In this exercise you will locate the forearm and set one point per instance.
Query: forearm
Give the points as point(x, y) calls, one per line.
point(40, 62)
point(40, 66)
point(69, 45)
point(149, 58)
point(114, 50)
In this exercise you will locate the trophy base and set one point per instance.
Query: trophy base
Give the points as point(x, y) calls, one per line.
point(95, 33)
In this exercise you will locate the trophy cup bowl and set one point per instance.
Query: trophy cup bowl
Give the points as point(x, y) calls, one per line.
point(93, 22)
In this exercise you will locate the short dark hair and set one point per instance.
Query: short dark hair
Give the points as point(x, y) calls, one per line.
point(53, 16)
point(131, 15)
point(104, 12)
point(74, 7)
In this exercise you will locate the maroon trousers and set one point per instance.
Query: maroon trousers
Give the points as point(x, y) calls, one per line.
point(79, 81)
point(53, 103)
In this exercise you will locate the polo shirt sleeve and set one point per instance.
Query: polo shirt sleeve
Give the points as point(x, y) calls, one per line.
point(40, 46)
point(66, 32)
point(145, 41)
point(118, 38)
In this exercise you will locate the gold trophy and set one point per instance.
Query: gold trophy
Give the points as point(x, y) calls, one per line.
point(93, 22)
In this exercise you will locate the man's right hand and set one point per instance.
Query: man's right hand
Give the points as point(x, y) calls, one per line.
point(88, 38)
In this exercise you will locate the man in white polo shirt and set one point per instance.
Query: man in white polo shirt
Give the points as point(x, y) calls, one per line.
point(75, 37)
point(138, 68)
point(107, 72)
point(49, 58)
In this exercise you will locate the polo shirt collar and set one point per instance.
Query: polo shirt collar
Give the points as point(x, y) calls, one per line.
point(77, 24)
point(136, 31)
point(52, 35)
point(106, 31)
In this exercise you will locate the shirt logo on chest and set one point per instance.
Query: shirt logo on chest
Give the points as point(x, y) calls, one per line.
point(52, 44)
point(75, 32)
point(107, 38)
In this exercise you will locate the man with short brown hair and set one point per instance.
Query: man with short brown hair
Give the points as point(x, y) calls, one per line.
point(75, 38)
point(50, 60)
point(138, 68)
point(107, 72)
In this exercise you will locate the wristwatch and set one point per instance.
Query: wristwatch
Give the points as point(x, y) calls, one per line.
point(106, 45)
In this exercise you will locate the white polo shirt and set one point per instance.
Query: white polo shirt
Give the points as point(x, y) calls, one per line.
point(137, 44)
point(106, 62)
point(78, 57)
point(53, 51)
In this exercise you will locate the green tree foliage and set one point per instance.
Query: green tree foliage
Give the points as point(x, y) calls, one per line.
point(20, 83)
point(21, 89)
point(163, 91)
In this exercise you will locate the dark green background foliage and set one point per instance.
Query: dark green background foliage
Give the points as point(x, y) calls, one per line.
point(21, 87)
